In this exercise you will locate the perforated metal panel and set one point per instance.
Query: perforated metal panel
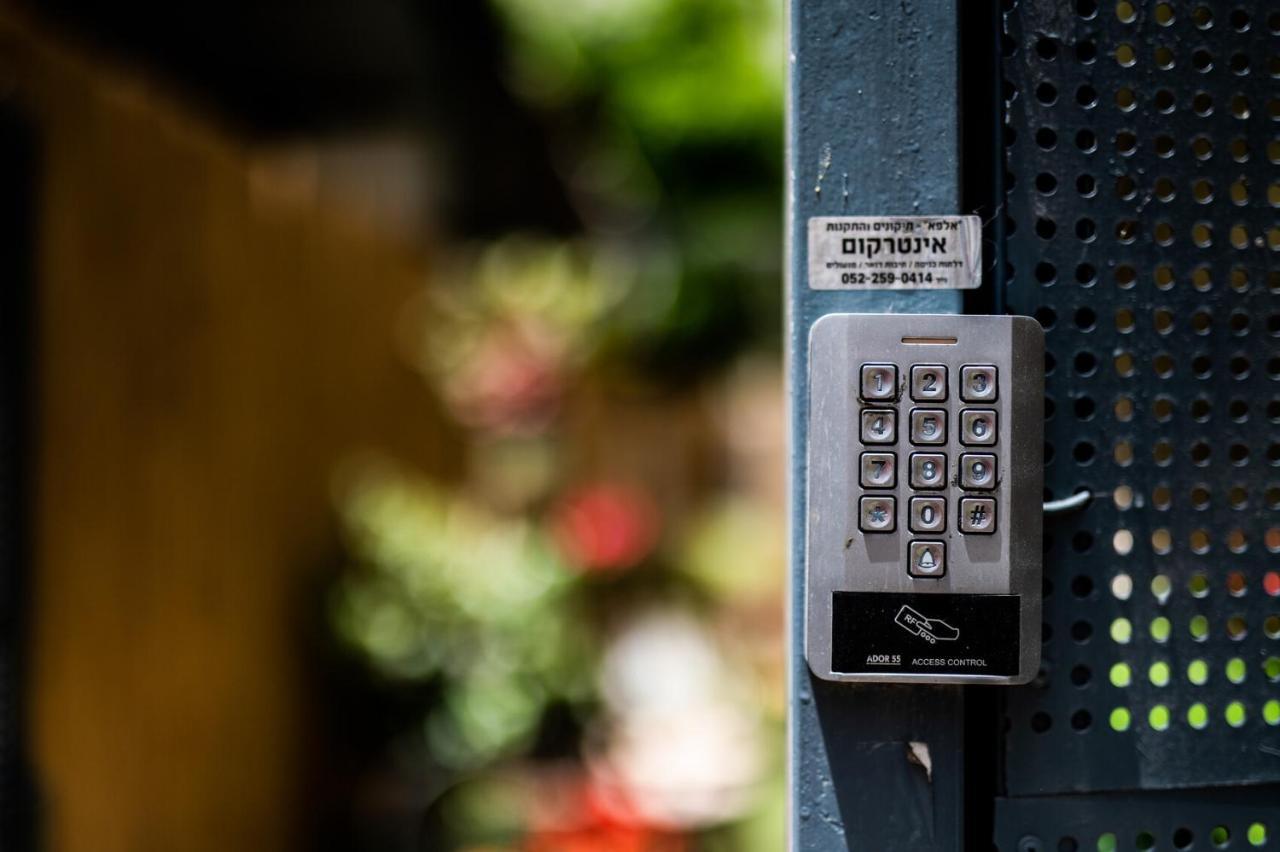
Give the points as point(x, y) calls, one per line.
point(1142, 187)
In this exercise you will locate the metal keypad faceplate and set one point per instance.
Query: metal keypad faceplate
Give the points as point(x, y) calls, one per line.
point(966, 397)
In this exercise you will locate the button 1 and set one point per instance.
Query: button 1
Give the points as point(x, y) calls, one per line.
point(977, 515)
point(928, 515)
point(879, 470)
point(879, 426)
point(877, 514)
point(879, 381)
point(978, 427)
point(978, 383)
point(927, 559)
point(978, 470)
point(928, 470)
point(928, 426)
point(928, 382)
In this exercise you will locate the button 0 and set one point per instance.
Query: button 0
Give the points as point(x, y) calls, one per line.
point(978, 470)
point(877, 514)
point(879, 470)
point(879, 426)
point(879, 381)
point(928, 426)
point(928, 470)
point(927, 559)
point(978, 383)
point(977, 515)
point(928, 382)
point(978, 427)
point(928, 515)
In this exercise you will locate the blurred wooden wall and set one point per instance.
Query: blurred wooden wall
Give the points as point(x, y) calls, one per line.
point(211, 341)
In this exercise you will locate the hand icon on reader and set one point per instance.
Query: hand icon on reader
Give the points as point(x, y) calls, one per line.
point(930, 629)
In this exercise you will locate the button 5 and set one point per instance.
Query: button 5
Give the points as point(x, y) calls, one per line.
point(928, 426)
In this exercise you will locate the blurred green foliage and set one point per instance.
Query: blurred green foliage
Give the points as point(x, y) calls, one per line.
point(671, 138)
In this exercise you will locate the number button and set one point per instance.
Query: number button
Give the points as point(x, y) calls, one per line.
point(978, 470)
point(928, 426)
point(928, 470)
point(877, 514)
point(978, 427)
point(879, 470)
point(927, 559)
point(928, 515)
point(978, 383)
point(879, 381)
point(977, 515)
point(879, 426)
point(928, 382)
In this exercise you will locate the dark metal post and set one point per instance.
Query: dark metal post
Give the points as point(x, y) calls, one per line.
point(872, 129)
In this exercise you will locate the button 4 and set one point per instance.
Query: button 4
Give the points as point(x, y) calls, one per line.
point(978, 470)
point(879, 426)
point(928, 382)
point(928, 426)
point(879, 470)
point(978, 427)
point(879, 381)
point(877, 514)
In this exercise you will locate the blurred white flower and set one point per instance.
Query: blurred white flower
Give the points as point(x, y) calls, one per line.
point(681, 744)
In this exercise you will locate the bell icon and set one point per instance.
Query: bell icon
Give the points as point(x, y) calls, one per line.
point(926, 562)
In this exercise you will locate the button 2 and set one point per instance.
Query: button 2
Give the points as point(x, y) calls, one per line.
point(877, 514)
point(928, 515)
point(928, 382)
point(978, 470)
point(927, 559)
point(879, 381)
point(978, 427)
point(928, 426)
point(879, 470)
point(977, 383)
point(879, 426)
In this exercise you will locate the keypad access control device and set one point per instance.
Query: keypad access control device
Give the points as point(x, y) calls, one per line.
point(923, 553)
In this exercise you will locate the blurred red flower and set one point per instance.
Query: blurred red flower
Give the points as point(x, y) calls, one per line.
point(589, 820)
point(606, 527)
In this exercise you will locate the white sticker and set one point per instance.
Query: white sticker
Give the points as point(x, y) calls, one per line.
point(895, 252)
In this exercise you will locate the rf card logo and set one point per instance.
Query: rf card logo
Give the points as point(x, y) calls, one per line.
point(932, 630)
